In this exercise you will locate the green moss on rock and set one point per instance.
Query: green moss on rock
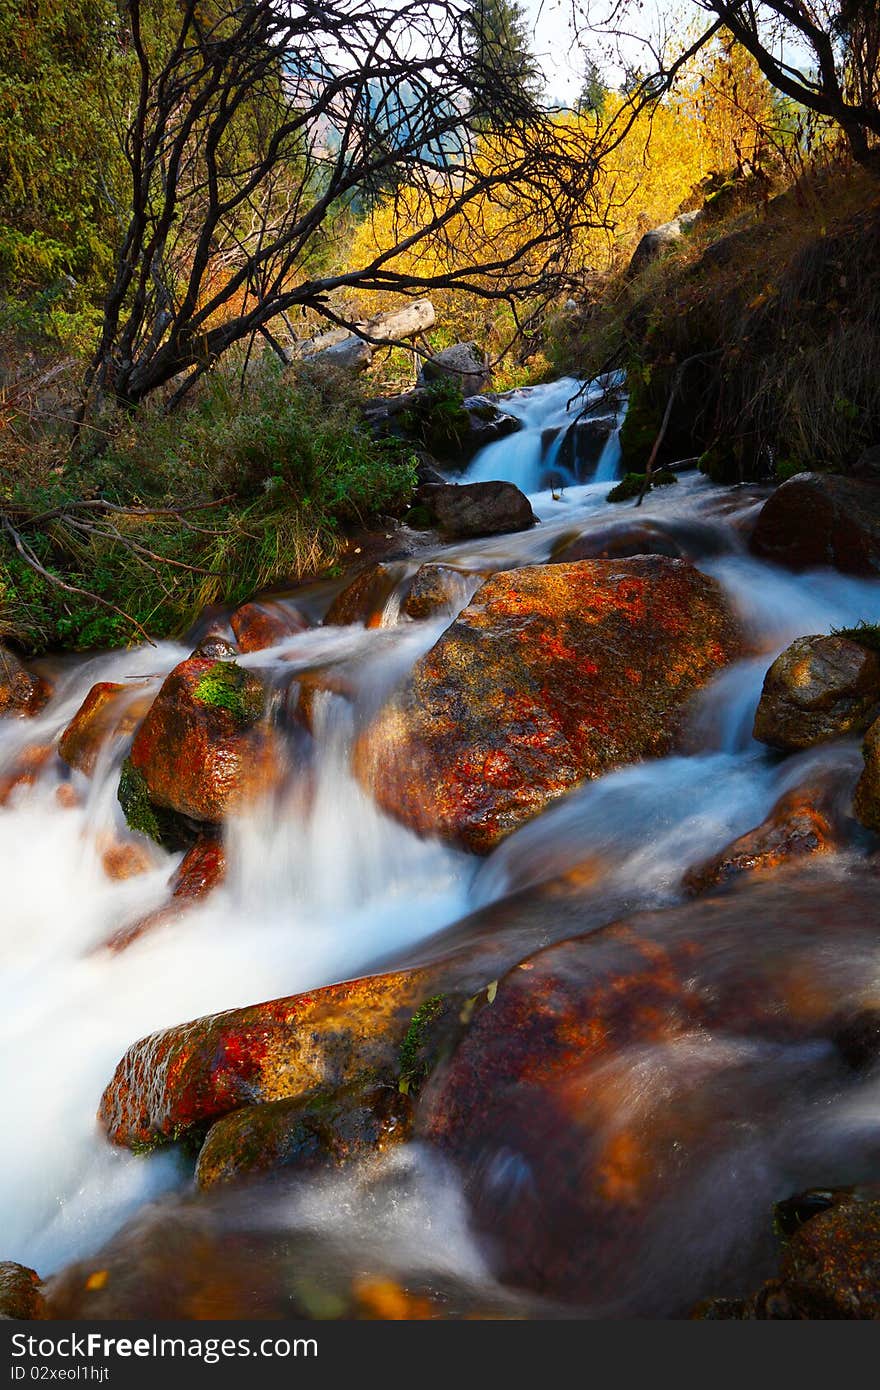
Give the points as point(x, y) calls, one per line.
point(227, 686)
point(414, 1063)
point(633, 483)
point(143, 816)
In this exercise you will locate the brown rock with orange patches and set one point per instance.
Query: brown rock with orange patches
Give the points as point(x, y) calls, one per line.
point(325, 1130)
point(363, 600)
point(553, 674)
point(202, 869)
point(610, 1070)
point(185, 1077)
point(265, 624)
point(24, 769)
point(109, 710)
point(434, 589)
point(20, 1292)
point(797, 826)
point(203, 748)
point(123, 859)
point(820, 688)
point(22, 694)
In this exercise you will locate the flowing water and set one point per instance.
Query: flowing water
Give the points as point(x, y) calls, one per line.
point(321, 887)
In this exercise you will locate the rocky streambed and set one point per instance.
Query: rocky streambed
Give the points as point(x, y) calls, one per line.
point(492, 933)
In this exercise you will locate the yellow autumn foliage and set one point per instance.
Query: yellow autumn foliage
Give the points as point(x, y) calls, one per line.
point(713, 123)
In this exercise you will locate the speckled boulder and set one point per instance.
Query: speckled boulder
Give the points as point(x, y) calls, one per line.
point(552, 674)
point(20, 1292)
point(179, 1080)
point(820, 688)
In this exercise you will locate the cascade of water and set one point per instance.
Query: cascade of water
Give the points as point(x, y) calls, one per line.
point(321, 883)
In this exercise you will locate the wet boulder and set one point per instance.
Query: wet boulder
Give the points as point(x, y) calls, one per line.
point(487, 423)
point(240, 1252)
point(265, 624)
point(202, 749)
point(20, 1292)
point(820, 688)
point(551, 675)
point(324, 1130)
point(22, 694)
point(829, 1266)
point(364, 597)
point(110, 710)
point(178, 1081)
point(799, 825)
point(201, 870)
point(24, 769)
point(462, 363)
point(435, 589)
point(610, 1074)
point(462, 510)
point(818, 519)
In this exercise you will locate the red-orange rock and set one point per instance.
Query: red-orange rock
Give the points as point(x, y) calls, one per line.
point(202, 869)
point(176, 1080)
point(22, 694)
point(123, 859)
point(608, 1073)
point(108, 711)
point(553, 674)
point(797, 826)
point(265, 624)
point(202, 749)
point(24, 769)
point(363, 600)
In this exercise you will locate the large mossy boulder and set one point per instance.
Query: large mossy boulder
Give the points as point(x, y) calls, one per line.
point(817, 519)
point(551, 675)
point(820, 688)
point(202, 749)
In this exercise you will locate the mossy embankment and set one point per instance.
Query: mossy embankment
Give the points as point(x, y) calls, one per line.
point(762, 324)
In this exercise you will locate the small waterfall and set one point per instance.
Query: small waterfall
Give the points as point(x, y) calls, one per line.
point(544, 454)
